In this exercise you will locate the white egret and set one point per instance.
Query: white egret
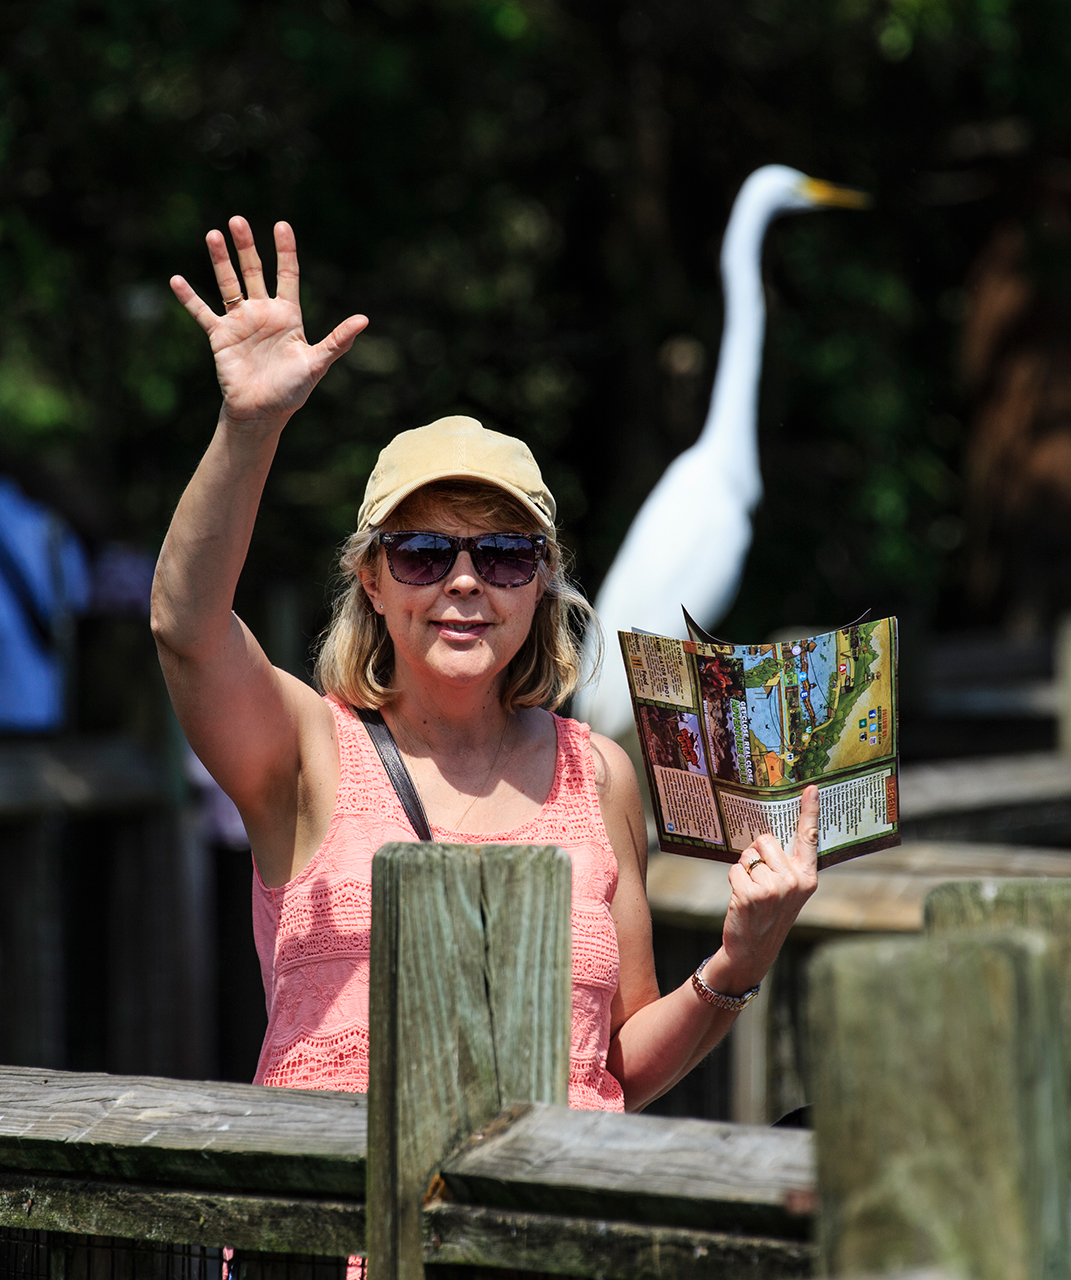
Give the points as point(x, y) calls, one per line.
point(688, 543)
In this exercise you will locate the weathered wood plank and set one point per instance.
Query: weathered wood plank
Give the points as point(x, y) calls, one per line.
point(882, 892)
point(651, 1169)
point(277, 1224)
point(82, 775)
point(461, 1234)
point(175, 1132)
point(431, 1061)
point(527, 895)
point(455, 1018)
point(1021, 799)
point(982, 782)
point(940, 1106)
point(1036, 904)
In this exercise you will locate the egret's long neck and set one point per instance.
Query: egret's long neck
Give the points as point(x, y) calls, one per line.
point(731, 426)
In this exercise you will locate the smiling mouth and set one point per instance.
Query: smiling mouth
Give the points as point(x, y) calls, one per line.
point(460, 626)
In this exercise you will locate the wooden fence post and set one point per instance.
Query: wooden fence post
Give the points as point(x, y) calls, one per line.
point(470, 1008)
point(1035, 904)
point(940, 1106)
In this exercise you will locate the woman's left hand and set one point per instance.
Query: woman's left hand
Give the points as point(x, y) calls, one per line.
point(766, 901)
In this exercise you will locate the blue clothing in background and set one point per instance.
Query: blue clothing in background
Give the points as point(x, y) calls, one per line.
point(51, 566)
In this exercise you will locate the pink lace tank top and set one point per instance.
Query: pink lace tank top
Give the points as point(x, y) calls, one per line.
point(312, 934)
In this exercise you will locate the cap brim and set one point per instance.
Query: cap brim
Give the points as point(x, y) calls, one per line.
point(381, 510)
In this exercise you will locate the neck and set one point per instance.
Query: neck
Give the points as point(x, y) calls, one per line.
point(439, 720)
point(730, 428)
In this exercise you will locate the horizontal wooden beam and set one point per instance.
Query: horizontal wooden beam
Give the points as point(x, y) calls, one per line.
point(881, 893)
point(472, 1236)
point(82, 775)
point(183, 1133)
point(939, 787)
point(283, 1170)
point(1020, 799)
point(172, 1215)
point(455, 1234)
point(641, 1169)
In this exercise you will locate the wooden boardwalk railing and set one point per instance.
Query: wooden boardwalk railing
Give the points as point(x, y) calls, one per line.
point(283, 1171)
point(941, 1077)
point(463, 1154)
point(941, 1105)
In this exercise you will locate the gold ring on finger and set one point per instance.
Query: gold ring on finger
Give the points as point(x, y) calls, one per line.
point(229, 302)
point(753, 862)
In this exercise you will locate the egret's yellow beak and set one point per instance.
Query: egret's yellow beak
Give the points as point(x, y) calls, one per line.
point(841, 197)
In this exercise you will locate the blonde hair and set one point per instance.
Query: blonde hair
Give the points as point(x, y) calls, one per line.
point(356, 658)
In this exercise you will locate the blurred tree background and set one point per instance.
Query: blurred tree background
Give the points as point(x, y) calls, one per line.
point(527, 198)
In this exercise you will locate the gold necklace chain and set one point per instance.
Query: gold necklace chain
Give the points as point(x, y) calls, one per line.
point(487, 778)
point(479, 790)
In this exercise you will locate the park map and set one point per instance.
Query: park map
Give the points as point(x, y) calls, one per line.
point(731, 734)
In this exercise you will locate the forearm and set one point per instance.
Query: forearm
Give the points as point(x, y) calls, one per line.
point(208, 539)
point(662, 1041)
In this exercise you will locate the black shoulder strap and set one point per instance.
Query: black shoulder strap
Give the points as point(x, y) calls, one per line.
point(384, 743)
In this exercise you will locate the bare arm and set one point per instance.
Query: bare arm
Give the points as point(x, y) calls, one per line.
point(253, 726)
point(656, 1040)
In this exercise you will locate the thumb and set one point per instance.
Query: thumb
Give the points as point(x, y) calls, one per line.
point(805, 841)
point(337, 342)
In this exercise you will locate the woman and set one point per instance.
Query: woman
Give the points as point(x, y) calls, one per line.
point(455, 621)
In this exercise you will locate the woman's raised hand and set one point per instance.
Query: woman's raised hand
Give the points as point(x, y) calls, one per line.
point(766, 900)
point(265, 366)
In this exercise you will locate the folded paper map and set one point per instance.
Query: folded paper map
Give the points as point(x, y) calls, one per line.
point(732, 733)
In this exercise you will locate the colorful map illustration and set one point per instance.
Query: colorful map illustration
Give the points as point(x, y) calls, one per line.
point(780, 713)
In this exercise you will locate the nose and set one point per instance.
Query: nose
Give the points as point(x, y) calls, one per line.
point(463, 580)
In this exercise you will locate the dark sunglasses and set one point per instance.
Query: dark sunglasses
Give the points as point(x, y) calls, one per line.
point(501, 559)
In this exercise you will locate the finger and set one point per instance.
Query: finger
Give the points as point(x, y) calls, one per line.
point(768, 848)
point(287, 276)
point(226, 280)
point(805, 841)
point(248, 258)
point(740, 882)
point(336, 344)
point(200, 310)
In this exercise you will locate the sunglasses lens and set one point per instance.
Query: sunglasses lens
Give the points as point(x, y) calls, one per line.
point(505, 560)
point(420, 558)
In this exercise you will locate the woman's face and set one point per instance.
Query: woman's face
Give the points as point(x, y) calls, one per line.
point(460, 630)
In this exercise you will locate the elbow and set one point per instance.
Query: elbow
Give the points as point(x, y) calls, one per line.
point(161, 621)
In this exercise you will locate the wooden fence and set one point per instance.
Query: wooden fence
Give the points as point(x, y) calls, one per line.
point(473, 1159)
point(941, 1088)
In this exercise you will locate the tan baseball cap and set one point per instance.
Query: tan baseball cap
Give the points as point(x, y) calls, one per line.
point(456, 448)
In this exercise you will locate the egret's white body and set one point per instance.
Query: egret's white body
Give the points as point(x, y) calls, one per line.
point(690, 539)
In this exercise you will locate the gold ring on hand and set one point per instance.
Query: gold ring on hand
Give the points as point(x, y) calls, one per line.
point(229, 302)
point(753, 862)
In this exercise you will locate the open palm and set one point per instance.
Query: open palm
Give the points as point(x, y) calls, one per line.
point(265, 365)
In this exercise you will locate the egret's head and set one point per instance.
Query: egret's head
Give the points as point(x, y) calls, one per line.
point(775, 189)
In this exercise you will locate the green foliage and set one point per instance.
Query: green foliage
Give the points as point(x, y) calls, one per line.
point(526, 196)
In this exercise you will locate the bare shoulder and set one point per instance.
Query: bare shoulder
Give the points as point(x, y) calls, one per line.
point(613, 768)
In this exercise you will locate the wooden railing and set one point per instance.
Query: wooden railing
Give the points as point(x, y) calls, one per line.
point(940, 1073)
point(283, 1171)
point(464, 1154)
point(941, 1139)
